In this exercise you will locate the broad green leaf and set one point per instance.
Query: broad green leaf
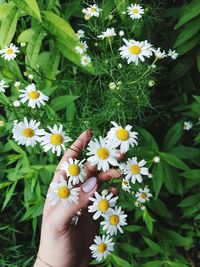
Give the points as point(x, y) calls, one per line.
point(71, 8)
point(196, 97)
point(190, 211)
point(173, 161)
point(173, 135)
point(30, 7)
point(153, 245)
point(5, 9)
point(148, 138)
point(16, 147)
point(158, 176)
point(189, 45)
point(133, 228)
point(119, 261)
point(9, 194)
point(8, 27)
point(61, 102)
point(190, 11)
point(32, 212)
point(26, 36)
point(160, 208)
point(184, 152)
point(148, 221)
point(191, 174)
point(153, 264)
point(190, 201)
point(5, 184)
point(169, 175)
point(172, 237)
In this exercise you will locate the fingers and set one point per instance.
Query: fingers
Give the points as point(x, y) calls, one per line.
point(112, 173)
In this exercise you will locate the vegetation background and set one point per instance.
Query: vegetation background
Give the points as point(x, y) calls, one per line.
point(165, 234)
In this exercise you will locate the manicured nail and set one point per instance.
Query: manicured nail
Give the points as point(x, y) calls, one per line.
point(89, 185)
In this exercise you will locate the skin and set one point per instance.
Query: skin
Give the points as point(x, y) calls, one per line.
point(63, 244)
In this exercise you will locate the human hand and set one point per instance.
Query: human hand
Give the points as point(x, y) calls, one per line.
point(63, 244)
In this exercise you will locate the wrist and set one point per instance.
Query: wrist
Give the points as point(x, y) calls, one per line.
point(41, 263)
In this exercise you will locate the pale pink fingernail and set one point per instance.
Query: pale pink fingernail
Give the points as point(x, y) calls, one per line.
point(89, 184)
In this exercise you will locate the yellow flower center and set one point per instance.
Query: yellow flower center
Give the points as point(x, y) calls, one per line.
point(114, 219)
point(93, 10)
point(103, 205)
point(34, 94)
point(28, 132)
point(135, 11)
point(143, 195)
point(85, 60)
point(122, 134)
point(9, 51)
point(103, 153)
point(135, 169)
point(56, 139)
point(102, 247)
point(63, 192)
point(74, 170)
point(134, 49)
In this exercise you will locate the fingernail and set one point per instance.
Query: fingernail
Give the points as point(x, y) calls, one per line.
point(89, 184)
point(88, 134)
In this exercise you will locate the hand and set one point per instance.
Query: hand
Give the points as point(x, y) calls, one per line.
point(63, 244)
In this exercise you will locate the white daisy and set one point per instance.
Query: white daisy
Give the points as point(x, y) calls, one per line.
point(85, 60)
point(123, 137)
point(134, 51)
point(134, 170)
point(143, 195)
point(126, 185)
point(172, 53)
point(55, 140)
point(80, 34)
point(159, 54)
point(92, 11)
point(101, 204)
point(64, 192)
point(113, 221)
point(102, 248)
point(101, 154)
point(74, 170)
point(33, 96)
point(109, 33)
point(3, 86)
point(82, 47)
point(135, 11)
point(27, 132)
point(187, 125)
point(9, 53)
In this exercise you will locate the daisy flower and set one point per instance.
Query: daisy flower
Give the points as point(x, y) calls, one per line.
point(123, 137)
point(172, 53)
point(55, 140)
point(81, 48)
point(126, 185)
point(9, 53)
point(134, 170)
point(143, 195)
point(109, 33)
point(134, 51)
point(187, 125)
point(159, 54)
point(92, 11)
point(85, 60)
point(33, 96)
point(101, 204)
point(80, 34)
point(3, 86)
point(74, 170)
point(102, 248)
point(101, 154)
point(135, 11)
point(27, 132)
point(113, 221)
point(64, 192)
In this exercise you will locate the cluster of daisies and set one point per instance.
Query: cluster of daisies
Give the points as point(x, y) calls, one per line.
point(132, 50)
point(102, 153)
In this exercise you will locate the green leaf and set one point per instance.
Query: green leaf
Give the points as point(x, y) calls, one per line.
point(30, 7)
point(190, 201)
point(172, 237)
point(184, 152)
point(5, 9)
point(191, 174)
point(189, 45)
point(63, 101)
point(133, 228)
point(26, 36)
point(190, 11)
point(158, 176)
point(169, 175)
point(153, 245)
point(198, 61)
point(5, 184)
point(32, 212)
point(173, 135)
point(8, 27)
point(173, 161)
point(9, 194)
point(119, 261)
point(148, 221)
point(153, 264)
point(16, 147)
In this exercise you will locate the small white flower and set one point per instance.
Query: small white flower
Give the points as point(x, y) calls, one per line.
point(121, 33)
point(112, 85)
point(82, 47)
point(23, 44)
point(9, 53)
point(123, 137)
point(159, 54)
point(101, 154)
point(113, 221)
point(80, 34)
point(173, 54)
point(16, 103)
point(133, 51)
point(27, 132)
point(74, 170)
point(135, 11)
point(151, 83)
point(126, 185)
point(85, 60)
point(156, 159)
point(3, 86)
point(33, 96)
point(92, 11)
point(102, 248)
point(30, 76)
point(150, 176)
point(55, 140)
point(143, 195)
point(143, 208)
point(64, 192)
point(17, 84)
point(119, 65)
point(134, 170)
point(101, 204)
point(109, 33)
point(187, 125)
point(2, 123)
